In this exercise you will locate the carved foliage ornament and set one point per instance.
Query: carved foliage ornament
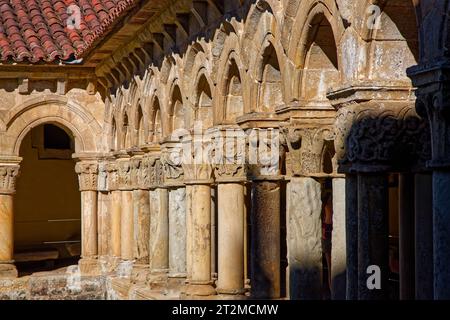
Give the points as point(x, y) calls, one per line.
point(8, 176)
point(87, 175)
point(305, 149)
point(393, 138)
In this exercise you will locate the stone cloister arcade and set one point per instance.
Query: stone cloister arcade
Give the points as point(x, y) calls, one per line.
point(332, 78)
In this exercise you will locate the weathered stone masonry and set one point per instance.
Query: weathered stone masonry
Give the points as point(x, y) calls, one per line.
point(333, 77)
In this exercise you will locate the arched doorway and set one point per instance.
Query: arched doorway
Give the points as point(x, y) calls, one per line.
point(47, 220)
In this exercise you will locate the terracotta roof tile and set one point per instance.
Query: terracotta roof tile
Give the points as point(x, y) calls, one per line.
point(37, 30)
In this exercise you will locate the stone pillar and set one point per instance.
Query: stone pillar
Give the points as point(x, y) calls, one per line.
point(116, 209)
point(265, 242)
point(173, 181)
point(104, 218)
point(198, 174)
point(127, 214)
point(177, 232)
point(441, 234)
point(141, 202)
point(304, 234)
point(406, 241)
point(338, 250)
point(188, 232)
point(159, 222)
point(231, 206)
point(424, 236)
point(8, 176)
point(88, 179)
point(373, 235)
point(264, 172)
point(351, 226)
point(214, 233)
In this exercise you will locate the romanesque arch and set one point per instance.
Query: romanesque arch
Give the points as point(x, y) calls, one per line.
point(70, 114)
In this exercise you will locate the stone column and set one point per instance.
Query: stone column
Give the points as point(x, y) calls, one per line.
point(116, 209)
point(264, 172)
point(304, 234)
point(214, 218)
point(159, 222)
point(198, 175)
point(441, 234)
point(424, 236)
point(141, 202)
point(127, 214)
point(88, 179)
point(373, 235)
point(173, 181)
point(406, 241)
point(104, 218)
point(230, 191)
point(338, 250)
point(351, 226)
point(8, 176)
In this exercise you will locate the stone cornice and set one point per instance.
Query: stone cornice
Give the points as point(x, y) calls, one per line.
point(361, 92)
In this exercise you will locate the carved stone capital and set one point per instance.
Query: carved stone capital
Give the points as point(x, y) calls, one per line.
point(382, 137)
point(198, 174)
point(156, 173)
point(264, 153)
point(103, 176)
point(87, 175)
point(306, 147)
point(113, 178)
point(143, 182)
point(171, 160)
point(124, 174)
point(135, 168)
point(436, 105)
point(8, 176)
point(228, 154)
point(231, 172)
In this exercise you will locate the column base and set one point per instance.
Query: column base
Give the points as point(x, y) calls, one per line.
point(200, 289)
point(231, 292)
point(140, 272)
point(89, 266)
point(8, 271)
point(176, 282)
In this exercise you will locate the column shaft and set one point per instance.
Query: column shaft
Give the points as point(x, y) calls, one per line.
point(116, 213)
point(89, 224)
point(177, 232)
point(189, 238)
point(304, 233)
point(373, 235)
point(104, 224)
point(338, 250)
point(7, 268)
point(159, 231)
point(127, 230)
point(406, 241)
point(141, 226)
point(441, 234)
point(265, 246)
point(231, 238)
point(424, 236)
point(351, 226)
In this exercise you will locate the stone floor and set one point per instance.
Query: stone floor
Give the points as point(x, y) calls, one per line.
point(62, 285)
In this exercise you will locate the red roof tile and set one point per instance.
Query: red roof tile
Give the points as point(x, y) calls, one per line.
point(38, 30)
